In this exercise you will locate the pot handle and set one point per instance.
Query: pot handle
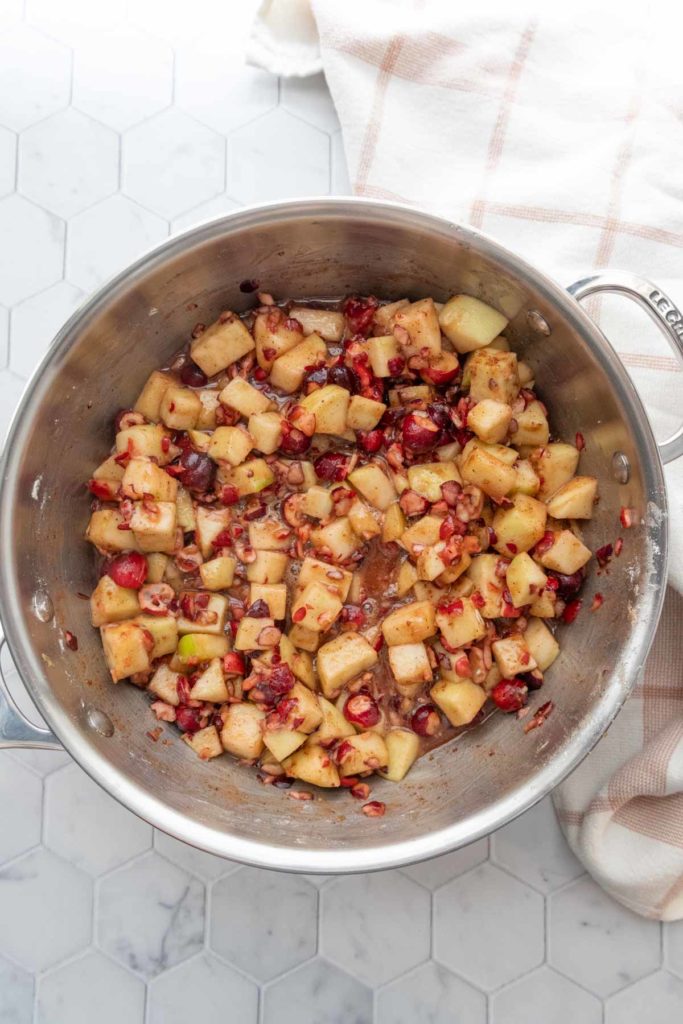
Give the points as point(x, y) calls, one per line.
point(15, 728)
point(662, 310)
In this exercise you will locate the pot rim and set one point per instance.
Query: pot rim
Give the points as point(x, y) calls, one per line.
point(264, 854)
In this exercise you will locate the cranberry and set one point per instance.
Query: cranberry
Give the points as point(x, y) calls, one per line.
point(198, 471)
point(258, 610)
point(359, 313)
point(103, 489)
point(362, 709)
point(343, 377)
point(567, 586)
point(425, 720)
point(332, 466)
point(187, 719)
point(294, 441)
point(119, 416)
point(420, 433)
point(442, 370)
point(370, 440)
point(229, 495)
point(604, 554)
point(192, 376)
point(128, 570)
point(441, 415)
point(316, 375)
point(375, 809)
point(509, 694)
point(248, 286)
point(396, 366)
point(533, 679)
point(571, 611)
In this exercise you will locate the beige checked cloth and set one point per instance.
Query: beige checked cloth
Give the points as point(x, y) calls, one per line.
point(562, 136)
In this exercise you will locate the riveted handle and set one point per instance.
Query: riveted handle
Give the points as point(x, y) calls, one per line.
point(15, 728)
point(661, 309)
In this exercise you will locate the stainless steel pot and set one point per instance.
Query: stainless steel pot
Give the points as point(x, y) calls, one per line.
point(320, 248)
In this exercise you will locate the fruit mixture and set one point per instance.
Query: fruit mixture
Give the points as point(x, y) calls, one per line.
point(332, 536)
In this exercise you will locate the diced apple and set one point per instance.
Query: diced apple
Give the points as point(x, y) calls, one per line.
point(342, 659)
point(493, 374)
point(304, 712)
point(110, 471)
point(363, 520)
point(156, 567)
point(455, 570)
point(555, 464)
point(211, 684)
point(164, 632)
point(269, 535)
point(218, 573)
point(149, 399)
point(164, 685)
point(424, 532)
point(545, 605)
point(288, 371)
point(207, 414)
point(111, 603)
point(267, 567)
point(338, 538)
point(567, 554)
point(230, 444)
point(383, 320)
point(532, 426)
point(126, 649)
point(364, 752)
point(499, 451)
point(410, 623)
point(520, 527)
point(254, 634)
point(200, 440)
point(331, 576)
point(266, 431)
point(575, 499)
point(461, 625)
point(525, 580)
point(325, 322)
point(275, 334)
point(283, 742)
point(427, 477)
point(313, 765)
point(407, 577)
point(221, 344)
point(180, 408)
point(332, 727)
point(329, 405)
point(275, 596)
point(146, 439)
point(409, 663)
point(542, 644)
point(193, 648)
point(316, 502)
point(487, 582)
point(383, 353)
point(430, 563)
point(406, 394)
point(247, 400)
point(242, 733)
point(249, 478)
point(185, 513)
point(394, 524)
point(217, 606)
point(316, 607)
point(210, 523)
point(205, 742)
point(512, 655)
point(460, 702)
point(364, 413)
point(154, 526)
point(103, 531)
point(469, 323)
point(421, 321)
point(403, 747)
point(490, 420)
point(143, 477)
point(527, 481)
point(485, 471)
point(300, 662)
point(374, 485)
point(305, 639)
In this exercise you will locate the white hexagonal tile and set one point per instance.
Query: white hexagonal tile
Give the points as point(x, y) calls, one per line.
point(214, 84)
point(597, 942)
point(129, 229)
point(301, 152)
point(673, 946)
point(488, 927)
point(11, 390)
point(68, 162)
point(251, 913)
point(21, 800)
point(123, 77)
point(73, 802)
point(230, 22)
point(216, 207)
point(439, 870)
point(34, 259)
point(40, 761)
point(8, 161)
point(10, 13)
point(552, 997)
point(91, 986)
point(35, 323)
point(533, 848)
point(35, 75)
point(151, 915)
point(49, 904)
point(432, 995)
point(196, 861)
point(75, 22)
point(203, 989)
point(320, 989)
point(16, 989)
point(309, 98)
point(340, 184)
point(172, 163)
point(657, 1000)
point(375, 926)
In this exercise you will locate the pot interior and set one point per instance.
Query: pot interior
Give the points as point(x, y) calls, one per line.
point(318, 249)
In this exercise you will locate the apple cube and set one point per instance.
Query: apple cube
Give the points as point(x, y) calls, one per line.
point(275, 334)
point(374, 485)
point(126, 649)
point(567, 555)
point(266, 431)
point(180, 408)
point(364, 752)
point(364, 413)
point(329, 405)
point(363, 520)
point(410, 623)
point(304, 713)
point(147, 439)
point(275, 596)
point(325, 322)
point(194, 648)
point(332, 576)
point(382, 353)
point(210, 523)
point(409, 663)
point(409, 393)
point(230, 444)
point(525, 580)
point(218, 605)
point(383, 320)
point(154, 526)
point(469, 323)
point(254, 634)
point(407, 577)
point(499, 451)
point(527, 481)
point(103, 531)
point(487, 472)
point(487, 582)
point(149, 399)
point(542, 644)
point(164, 685)
point(205, 742)
point(427, 477)
point(394, 524)
point(111, 603)
point(316, 502)
point(267, 567)
point(455, 570)
point(209, 400)
point(421, 321)
point(288, 371)
point(424, 532)
point(313, 765)
point(342, 659)
point(143, 477)
point(306, 639)
point(490, 420)
point(156, 567)
point(575, 499)
point(185, 514)
point(300, 662)
point(269, 535)
point(244, 398)
point(333, 725)
point(430, 563)
point(512, 655)
point(493, 374)
point(109, 470)
point(555, 464)
point(403, 747)
point(338, 538)
point(242, 731)
point(316, 607)
point(283, 742)
point(532, 426)
point(461, 625)
point(249, 478)
point(200, 439)
point(211, 684)
point(221, 344)
point(460, 702)
point(545, 605)
point(520, 527)
point(164, 632)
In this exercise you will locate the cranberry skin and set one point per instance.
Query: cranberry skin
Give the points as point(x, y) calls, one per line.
point(317, 375)
point(425, 720)
point(359, 313)
point(192, 376)
point(343, 377)
point(420, 433)
point(332, 466)
point(187, 719)
point(361, 709)
point(370, 440)
point(248, 286)
point(128, 570)
point(568, 586)
point(198, 471)
point(119, 416)
point(509, 695)
point(295, 442)
point(441, 416)
point(258, 610)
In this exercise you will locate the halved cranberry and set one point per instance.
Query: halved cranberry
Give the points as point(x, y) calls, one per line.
point(533, 679)
point(343, 377)
point(396, 365)
point(362, 709)
point(567, 586)
point(425, 720)
point(258, 610)
point(572, 610)
point(370, 440)
point(442, 370)
point(420, 433)
point(119, 416)
point(509, 694)
point(604, 554)
point(192, 376)
point(128, 570)
point(412, 503)
point(331, 466)
point(359, 313)
point(199, 471)
point(248, 286)
point(105, 490)
point(233, 664)
point(229, 495)
point(187, 719)
point(294, 441)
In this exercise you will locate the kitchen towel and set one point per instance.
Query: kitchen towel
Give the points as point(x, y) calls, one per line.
point(560, 133)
